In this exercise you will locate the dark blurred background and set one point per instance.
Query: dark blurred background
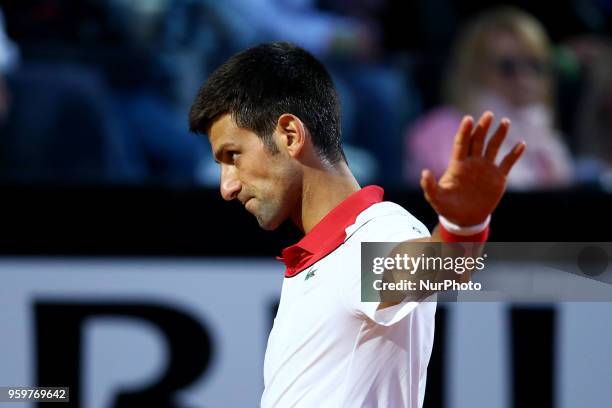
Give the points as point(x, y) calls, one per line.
point(95, 92)
point(97, 167)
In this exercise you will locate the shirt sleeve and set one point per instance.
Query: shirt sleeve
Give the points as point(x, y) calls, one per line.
point(395, 228)
point(390, 315)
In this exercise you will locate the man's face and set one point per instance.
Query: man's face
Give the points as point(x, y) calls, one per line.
point(267, 184)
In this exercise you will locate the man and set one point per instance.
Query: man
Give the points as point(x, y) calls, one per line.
point(272, 117)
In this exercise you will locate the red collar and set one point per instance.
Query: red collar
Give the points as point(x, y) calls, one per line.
point(329, 233)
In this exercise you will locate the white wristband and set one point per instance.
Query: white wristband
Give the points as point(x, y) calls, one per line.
point(464, 231)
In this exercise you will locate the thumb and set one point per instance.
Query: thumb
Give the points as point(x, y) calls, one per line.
point(429, 185)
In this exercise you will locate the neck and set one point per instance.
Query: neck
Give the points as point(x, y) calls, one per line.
point(323, 189)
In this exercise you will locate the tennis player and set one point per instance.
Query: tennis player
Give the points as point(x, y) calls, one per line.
point(271, 114)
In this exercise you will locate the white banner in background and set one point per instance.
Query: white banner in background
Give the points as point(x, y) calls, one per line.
point(233, 302)
point(123, 319)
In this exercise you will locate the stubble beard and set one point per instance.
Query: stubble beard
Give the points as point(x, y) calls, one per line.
point(268, 217)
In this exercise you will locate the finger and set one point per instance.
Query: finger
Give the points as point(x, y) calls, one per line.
point(429, 185)
point(461, 145)
point(480, 132)
point(512, 157)
point(497, 140)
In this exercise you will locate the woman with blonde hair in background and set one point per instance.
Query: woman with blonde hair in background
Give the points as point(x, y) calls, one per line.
point(502, 63)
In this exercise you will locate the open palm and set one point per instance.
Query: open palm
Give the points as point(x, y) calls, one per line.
point(473, 184)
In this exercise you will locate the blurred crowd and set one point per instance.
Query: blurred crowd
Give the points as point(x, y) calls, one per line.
point(97, 91)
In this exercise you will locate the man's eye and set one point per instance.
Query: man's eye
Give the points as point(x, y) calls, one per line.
point(233, 155)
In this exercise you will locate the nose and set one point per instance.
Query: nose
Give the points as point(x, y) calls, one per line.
point(230, 184)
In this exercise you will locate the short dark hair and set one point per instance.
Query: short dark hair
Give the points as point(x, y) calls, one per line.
point(258, 85)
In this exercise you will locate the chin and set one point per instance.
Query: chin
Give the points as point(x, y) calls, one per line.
point(269, 224)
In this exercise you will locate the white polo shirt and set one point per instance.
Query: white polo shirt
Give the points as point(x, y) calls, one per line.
point(329, 349)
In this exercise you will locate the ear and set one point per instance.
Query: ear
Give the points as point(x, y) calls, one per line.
point(291, 133)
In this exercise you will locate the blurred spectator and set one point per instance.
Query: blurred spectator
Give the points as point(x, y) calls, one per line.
point(68, 124)
point(594, 125)
point(145, 72)
point(59, 128)
point(55, 123)
point(502, 63)
point(9, 57)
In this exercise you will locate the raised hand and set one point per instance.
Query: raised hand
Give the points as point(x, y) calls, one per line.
point(473, 184)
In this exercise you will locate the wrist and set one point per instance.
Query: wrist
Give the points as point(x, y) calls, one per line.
point(451, 232)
